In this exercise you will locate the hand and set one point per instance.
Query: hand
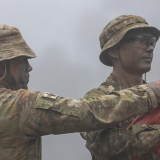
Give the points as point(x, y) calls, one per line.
point(155, 87)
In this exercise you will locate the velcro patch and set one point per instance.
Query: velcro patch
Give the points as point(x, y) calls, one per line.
point(49, 95)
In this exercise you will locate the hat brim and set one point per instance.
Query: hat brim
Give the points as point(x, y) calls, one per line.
point(118, 37)
point(15, 47)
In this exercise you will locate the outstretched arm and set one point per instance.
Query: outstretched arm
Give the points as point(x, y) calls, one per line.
point(57, 115)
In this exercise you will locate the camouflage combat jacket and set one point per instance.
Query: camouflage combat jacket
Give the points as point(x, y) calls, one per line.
point(117, 143)
point(25, 116)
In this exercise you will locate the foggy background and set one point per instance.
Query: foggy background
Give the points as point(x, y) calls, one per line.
point(65, 36)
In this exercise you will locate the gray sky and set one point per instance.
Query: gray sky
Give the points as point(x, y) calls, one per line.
point(65, 36)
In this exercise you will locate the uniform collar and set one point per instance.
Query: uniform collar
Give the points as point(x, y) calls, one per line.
point(1, 86)
point(113, 81)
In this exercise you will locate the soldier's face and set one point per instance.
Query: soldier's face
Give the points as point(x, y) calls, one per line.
point(136, 56)
point(18, 73)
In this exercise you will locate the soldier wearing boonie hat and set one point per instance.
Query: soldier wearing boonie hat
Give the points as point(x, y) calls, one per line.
point(26, 115)
point(114, 32)
point(12, 44)
point(127, 43)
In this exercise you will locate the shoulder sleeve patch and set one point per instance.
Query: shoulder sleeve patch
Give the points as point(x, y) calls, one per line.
point(45, 101)
point(49, 96)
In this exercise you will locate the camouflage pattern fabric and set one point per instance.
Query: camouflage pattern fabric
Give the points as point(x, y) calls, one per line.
point(116, 29)
point(12, 43)
point(117, 143)
point(25, 116)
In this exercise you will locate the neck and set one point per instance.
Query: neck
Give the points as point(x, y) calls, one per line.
point(129, 79)
point(6, 85)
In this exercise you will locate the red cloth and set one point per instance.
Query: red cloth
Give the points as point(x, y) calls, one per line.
point(151, 118)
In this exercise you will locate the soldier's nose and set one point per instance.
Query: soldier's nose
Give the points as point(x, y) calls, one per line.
point(150, 49)
point(30, 68)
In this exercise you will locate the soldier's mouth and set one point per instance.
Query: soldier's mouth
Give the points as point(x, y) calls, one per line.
point(27, 76)
point(147, 58)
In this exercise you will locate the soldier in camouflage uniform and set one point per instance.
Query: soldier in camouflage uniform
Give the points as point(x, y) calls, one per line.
point(25, 115)
point(127, 44)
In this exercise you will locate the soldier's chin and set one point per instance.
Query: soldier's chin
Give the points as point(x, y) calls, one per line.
point(25, 86)
point(146, 69)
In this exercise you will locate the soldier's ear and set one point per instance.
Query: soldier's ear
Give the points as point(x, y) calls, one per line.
point(113, 53)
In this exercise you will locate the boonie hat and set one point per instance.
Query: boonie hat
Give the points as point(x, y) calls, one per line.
point(116, 29)
point(12, 44)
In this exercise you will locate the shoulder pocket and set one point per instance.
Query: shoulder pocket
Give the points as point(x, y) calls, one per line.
point(50, 96)
point(45, 101)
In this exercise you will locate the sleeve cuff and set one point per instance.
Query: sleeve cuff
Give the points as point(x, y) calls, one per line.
point(152, 100)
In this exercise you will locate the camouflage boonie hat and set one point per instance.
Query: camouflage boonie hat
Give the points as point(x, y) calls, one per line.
point(12, 44)
point(116, 29)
